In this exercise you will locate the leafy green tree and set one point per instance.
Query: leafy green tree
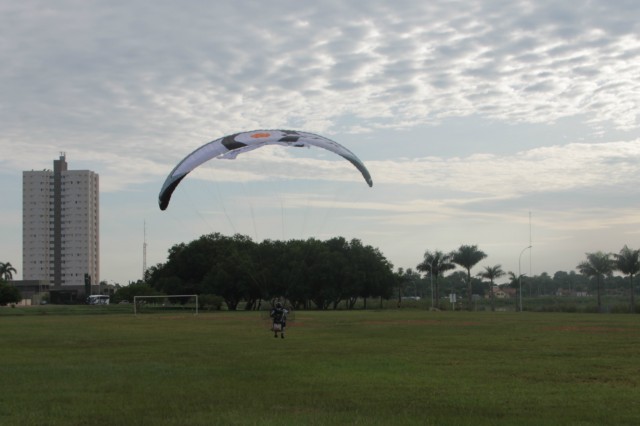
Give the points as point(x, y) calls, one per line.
point(467, 256)
point(238, 269)
point(436, 263)
point(455, 282)
point(206, 265)
point(628, 262)
point(597, 265)
point(414, 280)
point(293, 260)
point(543, 284)
point(515, 281)
point(402, 282)
point(340, 274)
point(321, 279)
point(171, 285)
point(128, 292)
point(491, 273)
point(565, 280)
point(377, 273)
point(8, 293)
point(275, 268)
point(233, 276)
point(7, 271)
point(242, 265)
point(220, 282)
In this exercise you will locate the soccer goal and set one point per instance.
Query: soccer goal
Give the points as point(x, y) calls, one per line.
point(173, 303)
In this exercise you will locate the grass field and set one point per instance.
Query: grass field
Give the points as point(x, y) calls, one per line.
point(103, 367)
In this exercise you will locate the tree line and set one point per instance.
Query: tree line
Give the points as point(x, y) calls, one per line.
point(599, 265)
point(596, 273)
point(324, 274)
point(308, 273)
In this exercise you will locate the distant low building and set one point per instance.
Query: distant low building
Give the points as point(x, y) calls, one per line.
point(31, 290)
point(563, 292)
point(502, 292)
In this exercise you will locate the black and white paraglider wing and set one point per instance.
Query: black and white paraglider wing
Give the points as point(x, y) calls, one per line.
point(229, 147)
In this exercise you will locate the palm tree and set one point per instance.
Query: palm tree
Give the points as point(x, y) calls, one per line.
point(491, 273)
point(7, 271)
point(628, 262)
point(467, 257)
point(401, 282)
point(435, 263)
point(597, 265)
point(515, 282)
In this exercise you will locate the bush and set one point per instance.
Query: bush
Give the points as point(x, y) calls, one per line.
point(591, 309)
point(559, 307)
point(620, 309)
point(210, 302)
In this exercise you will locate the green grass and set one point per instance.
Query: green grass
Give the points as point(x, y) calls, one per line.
point(359, 367)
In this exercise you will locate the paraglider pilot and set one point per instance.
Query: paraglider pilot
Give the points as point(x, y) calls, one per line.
point(279, 316)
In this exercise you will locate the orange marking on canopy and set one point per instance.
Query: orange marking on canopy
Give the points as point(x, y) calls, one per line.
point(260, 135)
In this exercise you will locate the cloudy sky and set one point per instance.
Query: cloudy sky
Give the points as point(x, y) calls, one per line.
point(496, 123)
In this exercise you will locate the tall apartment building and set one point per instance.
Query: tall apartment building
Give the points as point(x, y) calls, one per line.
point(60, 227)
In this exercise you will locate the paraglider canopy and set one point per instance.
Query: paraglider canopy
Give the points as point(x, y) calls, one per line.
point(230, 146)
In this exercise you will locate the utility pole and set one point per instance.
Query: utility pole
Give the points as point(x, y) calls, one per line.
point(520, 274)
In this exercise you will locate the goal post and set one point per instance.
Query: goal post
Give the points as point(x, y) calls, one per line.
point(169, 302)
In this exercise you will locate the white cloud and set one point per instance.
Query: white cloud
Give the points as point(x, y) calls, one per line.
point(104, 67)
point(556, 168)
point(129, 88)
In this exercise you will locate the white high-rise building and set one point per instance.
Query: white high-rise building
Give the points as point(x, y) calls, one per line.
point(60, 227)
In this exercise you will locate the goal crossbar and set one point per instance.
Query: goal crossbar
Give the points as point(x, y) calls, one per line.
point(168, 296)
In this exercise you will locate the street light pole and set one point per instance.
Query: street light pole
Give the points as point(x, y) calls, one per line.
point(520, 274)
